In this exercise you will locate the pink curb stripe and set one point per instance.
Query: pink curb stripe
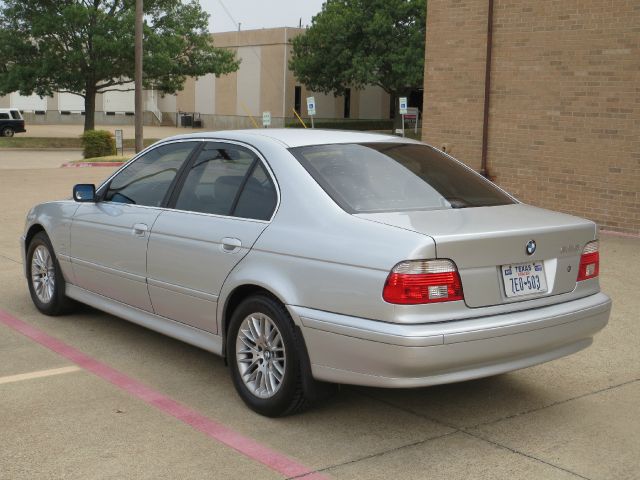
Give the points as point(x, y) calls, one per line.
point(215, 430)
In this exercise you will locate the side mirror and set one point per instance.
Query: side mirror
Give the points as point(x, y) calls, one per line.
point(84, 192)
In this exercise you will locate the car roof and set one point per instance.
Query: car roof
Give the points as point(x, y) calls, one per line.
point(295, 137)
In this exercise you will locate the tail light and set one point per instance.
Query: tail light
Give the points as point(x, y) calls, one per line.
point(423, 281)
point(589, 261)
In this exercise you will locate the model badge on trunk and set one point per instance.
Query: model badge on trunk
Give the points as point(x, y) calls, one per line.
point(531, 247)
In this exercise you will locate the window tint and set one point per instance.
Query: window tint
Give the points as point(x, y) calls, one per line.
point(388, 177)
point(147, 180)
point(258, 198)
point(15, 114)
point(215, 179)
point(4, 116)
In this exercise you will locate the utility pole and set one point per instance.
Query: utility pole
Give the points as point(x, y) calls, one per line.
point(139, 107)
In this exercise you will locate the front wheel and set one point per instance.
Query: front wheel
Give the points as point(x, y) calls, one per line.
point(46, 283)
point(265, 358)
point(7, 132)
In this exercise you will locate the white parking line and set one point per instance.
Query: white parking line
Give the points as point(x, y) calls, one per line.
point(39, 374)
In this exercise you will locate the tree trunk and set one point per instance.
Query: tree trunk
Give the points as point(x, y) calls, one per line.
point(90, 109)
point(397, 118)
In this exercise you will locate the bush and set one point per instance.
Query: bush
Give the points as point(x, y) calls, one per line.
point(98, 143)
point(343, 124)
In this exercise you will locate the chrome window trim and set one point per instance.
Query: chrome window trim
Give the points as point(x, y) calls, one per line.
point(136, 157)
point(256, 152)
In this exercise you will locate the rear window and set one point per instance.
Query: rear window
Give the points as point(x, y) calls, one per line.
point(392, 177)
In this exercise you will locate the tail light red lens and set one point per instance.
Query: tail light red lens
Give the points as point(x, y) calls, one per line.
point(423, 281)
point(589, 261)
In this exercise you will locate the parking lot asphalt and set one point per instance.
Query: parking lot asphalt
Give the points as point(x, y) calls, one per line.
point(26, 159)
point(578, 417)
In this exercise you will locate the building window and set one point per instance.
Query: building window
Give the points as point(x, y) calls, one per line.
point(298, 99)
point(347, 103)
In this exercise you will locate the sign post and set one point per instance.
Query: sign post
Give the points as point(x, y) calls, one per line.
point(412, 115)
point(266, 119)
point(119, 142)
point(311, 108)
point(403, 110)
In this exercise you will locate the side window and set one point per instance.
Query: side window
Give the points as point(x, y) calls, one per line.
point(16, 115)
point(215, 179)
point(147, 180)
point(258, 198)
point(4, 116)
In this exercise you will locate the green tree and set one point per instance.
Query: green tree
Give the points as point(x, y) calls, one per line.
point(355, 43)
point(86, 47)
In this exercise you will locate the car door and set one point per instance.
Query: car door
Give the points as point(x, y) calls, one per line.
point(109, 238)
point(225, 201)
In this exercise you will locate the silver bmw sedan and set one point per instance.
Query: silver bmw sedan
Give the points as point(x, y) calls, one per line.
point(309, 258)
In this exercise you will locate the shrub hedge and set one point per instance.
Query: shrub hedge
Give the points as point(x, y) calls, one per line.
point(98, 143)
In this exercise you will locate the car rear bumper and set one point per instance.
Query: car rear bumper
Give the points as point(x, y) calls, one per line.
point(357, 351)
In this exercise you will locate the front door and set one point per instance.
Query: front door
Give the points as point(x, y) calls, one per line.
point(109, 238)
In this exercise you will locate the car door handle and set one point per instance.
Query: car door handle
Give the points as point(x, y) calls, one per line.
point(231, 245)
point(140, 229)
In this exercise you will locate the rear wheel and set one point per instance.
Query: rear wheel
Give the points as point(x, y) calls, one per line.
point(265, 358)
point(46, 283)
point(7, 132)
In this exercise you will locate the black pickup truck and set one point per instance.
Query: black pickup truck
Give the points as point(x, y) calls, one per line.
point(11, 122)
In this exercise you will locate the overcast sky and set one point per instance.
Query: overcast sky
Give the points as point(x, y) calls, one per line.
point(253, 14)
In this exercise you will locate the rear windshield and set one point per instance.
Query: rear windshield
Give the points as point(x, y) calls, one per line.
point(392, 177)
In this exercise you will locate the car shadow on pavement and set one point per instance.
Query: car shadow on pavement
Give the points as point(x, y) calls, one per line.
point(457, 405)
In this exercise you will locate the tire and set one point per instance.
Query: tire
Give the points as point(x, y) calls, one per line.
point(45, 279)
point(248, 358)
point(7, 132)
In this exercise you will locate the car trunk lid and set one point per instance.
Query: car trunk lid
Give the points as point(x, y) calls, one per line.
point(481, 240)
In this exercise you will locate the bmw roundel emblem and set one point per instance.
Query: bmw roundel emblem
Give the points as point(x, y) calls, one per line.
point(531, 247)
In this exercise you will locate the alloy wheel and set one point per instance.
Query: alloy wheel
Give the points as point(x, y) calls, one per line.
point(43, 273)
point(261, 355)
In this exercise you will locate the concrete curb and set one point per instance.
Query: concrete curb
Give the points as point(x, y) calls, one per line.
point(91, 164)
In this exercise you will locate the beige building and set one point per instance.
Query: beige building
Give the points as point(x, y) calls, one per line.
point(563, 122)
point(265, 83)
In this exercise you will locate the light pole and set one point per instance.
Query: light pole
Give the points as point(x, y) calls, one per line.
point(139, 107)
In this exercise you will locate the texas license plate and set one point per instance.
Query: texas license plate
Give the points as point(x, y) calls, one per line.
point(524, 279)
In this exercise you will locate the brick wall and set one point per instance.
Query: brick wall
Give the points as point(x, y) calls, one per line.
point(564, 122)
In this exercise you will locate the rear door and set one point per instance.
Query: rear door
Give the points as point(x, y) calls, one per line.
point(109, 238)
point(225, 202)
